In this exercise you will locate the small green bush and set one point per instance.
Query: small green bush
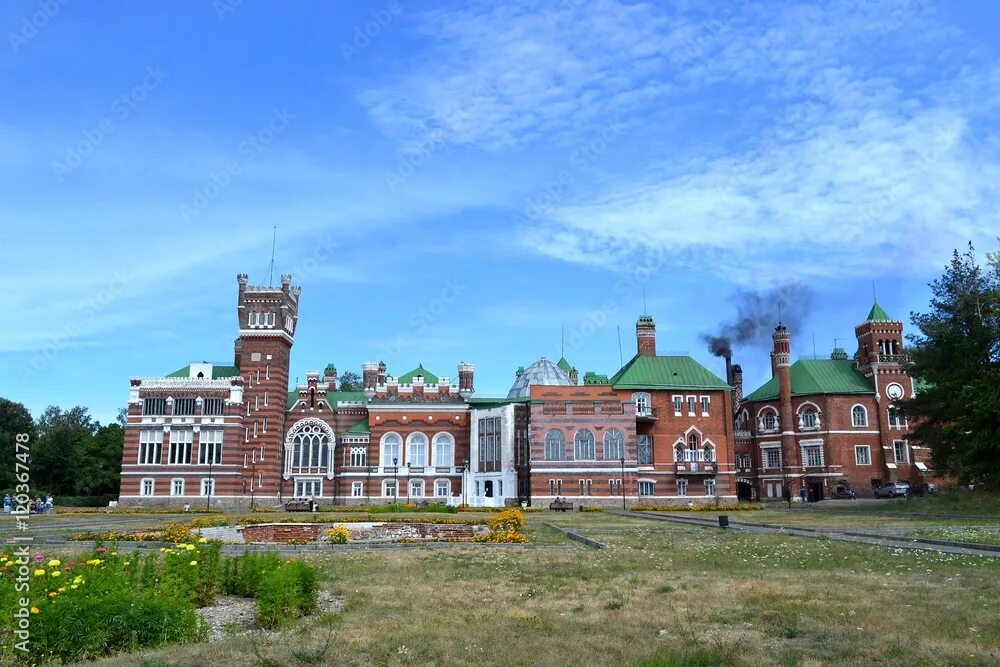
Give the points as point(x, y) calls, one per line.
point(286, 593)
point(245, 573)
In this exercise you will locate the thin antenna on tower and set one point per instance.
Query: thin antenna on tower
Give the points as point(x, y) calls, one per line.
point(621, 356)
point(815, 356)
point(874, 296)
point(644, 300)
point(562, 341)
point(270, 275)
point(779, 314)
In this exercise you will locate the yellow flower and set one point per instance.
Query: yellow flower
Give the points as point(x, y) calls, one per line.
point(203, 540)
point(56, 573)
point(74, 586)
point(189, 547)
point(194, 562)
point(62, 589)
point(34, 610)
point(39, 573)
point(77, 579)
point(54, 563)
point(53, 594)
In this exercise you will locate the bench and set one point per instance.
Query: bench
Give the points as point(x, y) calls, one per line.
point(298, 506)
point(561, 507)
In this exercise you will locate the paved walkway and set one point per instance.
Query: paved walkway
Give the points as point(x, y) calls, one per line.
point(942, 546)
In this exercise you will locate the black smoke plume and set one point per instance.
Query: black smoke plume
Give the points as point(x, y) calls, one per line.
point(757, 312)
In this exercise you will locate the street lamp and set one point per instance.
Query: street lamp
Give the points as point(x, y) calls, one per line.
point(465, 479)
point(211, 482)
point(253, 475)
point(624, 508)
point(395, 481)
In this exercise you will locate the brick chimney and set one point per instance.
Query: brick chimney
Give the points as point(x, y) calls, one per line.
point(645, 335)
point(465, 378)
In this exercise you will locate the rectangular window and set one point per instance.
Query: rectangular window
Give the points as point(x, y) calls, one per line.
point(389, 489)
point(813, 456)
point(213, 406)
point(359, 457)
point(357, 489)
point(559, 487)
point(442, 488)
point(582, 490)
point(177, 487)
point(678, 405)
point(183, 407)
point(147, 487)
point(210, 451)
point(552, 487)
point(896, 418)
point(691, 404)
point(442, 451)
point(902, 451)
point(772, 457)
point(646, 488)
point(154, 406)
point(863, 455)
point(150, 444)
point(180, 446)
point(208, 487)
point(645, 449)
point(709, 487)
point(308, 488)
point(705, 400)
point(682, 487)
point(417, 489)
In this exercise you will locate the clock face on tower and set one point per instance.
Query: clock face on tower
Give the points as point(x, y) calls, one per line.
point(894, 391)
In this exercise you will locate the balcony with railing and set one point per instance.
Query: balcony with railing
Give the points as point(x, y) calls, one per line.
point(645, 414)
point(695, 462)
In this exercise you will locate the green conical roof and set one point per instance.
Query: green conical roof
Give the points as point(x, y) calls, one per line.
point(878, 315)
point(564, 366)
point(429, 378)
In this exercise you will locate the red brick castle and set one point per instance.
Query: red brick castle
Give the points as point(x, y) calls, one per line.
point(661, 429)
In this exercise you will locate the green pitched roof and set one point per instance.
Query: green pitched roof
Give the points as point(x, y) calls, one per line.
point(218, 372)
point(429, 378)
point(878, 315)
point(680, 372)
point(564, 366)
point(817, 376)
point(594, 378)
point(495, 401)
point(361, 428)
point(333, 398)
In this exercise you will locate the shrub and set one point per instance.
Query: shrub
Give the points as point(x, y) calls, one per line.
point(592, 508)
point(505, 527)
point(246, 572)
point(210, 521)
point(339, 535)
point(723, 507)
point(285, 593)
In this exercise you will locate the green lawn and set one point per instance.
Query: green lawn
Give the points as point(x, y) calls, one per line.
point(661, 594)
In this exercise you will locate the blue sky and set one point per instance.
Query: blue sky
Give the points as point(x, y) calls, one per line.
point(452, 182)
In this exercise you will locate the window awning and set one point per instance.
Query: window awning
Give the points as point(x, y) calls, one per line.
point(890, 466)
point(921, 466)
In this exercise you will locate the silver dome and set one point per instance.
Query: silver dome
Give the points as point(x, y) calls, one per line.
point(542, 372)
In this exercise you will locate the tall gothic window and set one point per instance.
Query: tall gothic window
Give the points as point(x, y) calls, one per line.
point(584, 448)
point(555, 445)
point(645, 449)
point(614, 445)
point(310, 450)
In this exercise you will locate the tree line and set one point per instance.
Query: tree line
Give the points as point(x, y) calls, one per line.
point(71, 453)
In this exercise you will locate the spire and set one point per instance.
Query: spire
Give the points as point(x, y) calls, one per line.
point(877, 314)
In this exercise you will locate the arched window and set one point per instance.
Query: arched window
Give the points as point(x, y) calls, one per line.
point(444, 450)
point(555, 445)
point(709, 454)
point(391, 446)
point(643, 404)
point(416, 450)
point(679, 454)
point(310, 450)
point(769, 421)
point(809, 418)
point(859, 416)
point(614, 445)
point(693, 441)
point(584, 448)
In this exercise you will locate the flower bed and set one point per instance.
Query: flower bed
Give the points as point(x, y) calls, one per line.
point(105, 603)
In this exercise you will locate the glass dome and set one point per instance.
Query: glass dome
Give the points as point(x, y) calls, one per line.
point(542, 372)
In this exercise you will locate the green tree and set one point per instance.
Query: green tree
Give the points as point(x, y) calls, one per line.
point(101, 462)
point(350, 381)
point(14, 419)
point(956, 361)
point(59, 454)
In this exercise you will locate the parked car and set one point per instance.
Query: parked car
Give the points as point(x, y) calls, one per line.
point(892, 489)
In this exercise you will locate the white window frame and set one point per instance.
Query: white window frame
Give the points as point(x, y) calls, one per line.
point(614, 445)
point(581, 438)
point(812, 456)
point(709, 487)
point(359, 456)
point(442, 485)
point(868, 455)
point(678, 401)
point(647, 488)
point(315, 487)
point(864, 415)
point(150, 446)
point(147, 487)
point(174, 491)
point(682, 488)
point(388, 488)
point(692, 403)
point(210, 446)
point(555, 437)
point(769, 450)
point(706, 402)
point(418, 486)
point(181, 442)
point(357, 489)
point(390, 442)
point(417, 445)
point(444, 450)
point(207, 487)
point(643, 404)
point(906, 450)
